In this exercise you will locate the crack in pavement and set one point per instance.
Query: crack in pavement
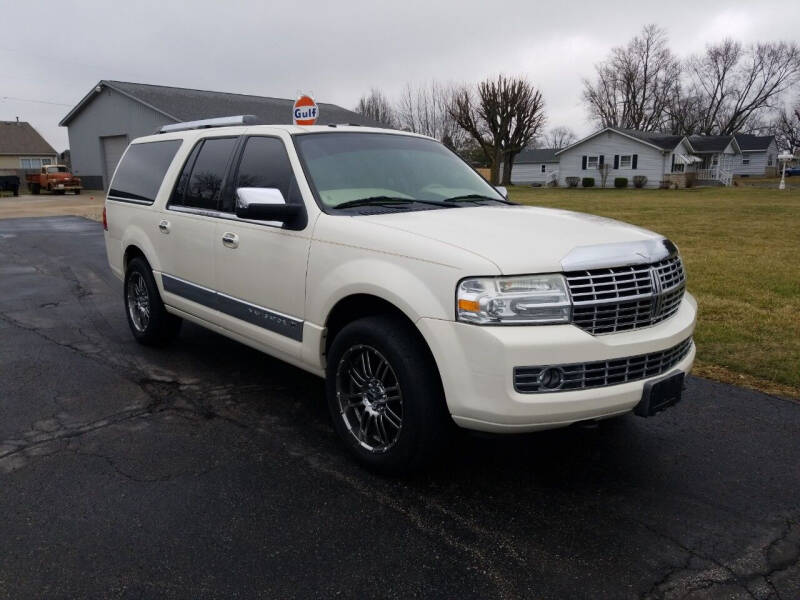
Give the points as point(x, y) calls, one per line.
point(757, 562)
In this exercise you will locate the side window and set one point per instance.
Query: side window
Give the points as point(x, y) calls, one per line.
point(200, 183)
point(176, 199)
point(141, 171)
point(264, 164)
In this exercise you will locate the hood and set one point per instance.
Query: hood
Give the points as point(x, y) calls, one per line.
point(518, 239)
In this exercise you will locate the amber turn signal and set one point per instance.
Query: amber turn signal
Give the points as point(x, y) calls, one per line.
point(469, 305)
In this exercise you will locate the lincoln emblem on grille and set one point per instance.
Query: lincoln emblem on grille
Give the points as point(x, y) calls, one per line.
point(658, 290)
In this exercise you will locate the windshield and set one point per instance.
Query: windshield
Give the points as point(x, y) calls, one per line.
point(56, 169)
point(350, 166)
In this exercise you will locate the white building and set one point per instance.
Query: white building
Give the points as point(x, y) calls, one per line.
point(628, 153)
point(536, 165)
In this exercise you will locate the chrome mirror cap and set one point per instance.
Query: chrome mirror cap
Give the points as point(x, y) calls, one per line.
point(249, 196)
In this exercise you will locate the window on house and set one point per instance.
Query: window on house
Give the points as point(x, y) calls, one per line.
point(770, 158)
point(544, 168)
point(745, 161)
point(34, 163)
point(625, 161)
point(592, 162)
point(678, 167)
point(714, 160)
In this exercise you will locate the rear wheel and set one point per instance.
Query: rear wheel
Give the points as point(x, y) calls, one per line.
point(35, 189)
point(384, 395)
point(77, 192)
point(149, 321)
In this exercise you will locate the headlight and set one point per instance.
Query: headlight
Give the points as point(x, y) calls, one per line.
point(532, 299)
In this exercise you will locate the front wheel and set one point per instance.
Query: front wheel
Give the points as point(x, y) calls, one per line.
point(149, 321)
point(385, 395)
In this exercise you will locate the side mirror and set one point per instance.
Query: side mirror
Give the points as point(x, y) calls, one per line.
point(502, 189)
point(266, 204)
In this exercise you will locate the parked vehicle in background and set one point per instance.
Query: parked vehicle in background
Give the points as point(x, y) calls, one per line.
point(381, 261)
point(55, 179)
point(792, 171)
point(9, 183)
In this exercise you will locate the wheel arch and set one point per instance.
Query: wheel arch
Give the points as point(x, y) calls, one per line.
point(359, 305)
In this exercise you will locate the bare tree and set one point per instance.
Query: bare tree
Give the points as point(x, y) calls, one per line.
point(502, 115)
point(786, 129)
point(377, 107)
point(424, 109)
point(635, 84)
point(559, 137)
point(731, 87)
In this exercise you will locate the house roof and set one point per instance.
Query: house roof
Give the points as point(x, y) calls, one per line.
point(19, 137)
point(710, 143)
point(654, 139)
point(665, 141)
point(753, 143)
point(536, 155)
point(183, 104)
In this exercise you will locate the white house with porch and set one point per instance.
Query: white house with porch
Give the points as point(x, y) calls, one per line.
point(719, 156)
point(665, 160)
point(661, 158)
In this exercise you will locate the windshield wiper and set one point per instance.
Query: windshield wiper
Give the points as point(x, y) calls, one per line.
point(477, 198)
point(385, 201)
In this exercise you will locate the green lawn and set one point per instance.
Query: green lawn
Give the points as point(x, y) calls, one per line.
point(741, 247)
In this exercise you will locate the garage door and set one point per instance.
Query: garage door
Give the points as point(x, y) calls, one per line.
point(113, 147)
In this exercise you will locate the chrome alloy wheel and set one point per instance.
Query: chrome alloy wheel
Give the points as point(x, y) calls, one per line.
point(138, 301)
point(369, 397)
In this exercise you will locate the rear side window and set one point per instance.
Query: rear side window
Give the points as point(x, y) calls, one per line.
point(200, 182)
point(264, 164)
point(141, 171)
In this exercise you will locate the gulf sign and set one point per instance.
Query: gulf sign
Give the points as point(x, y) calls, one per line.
point(305, 111)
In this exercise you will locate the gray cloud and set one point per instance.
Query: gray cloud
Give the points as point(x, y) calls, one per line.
point(338, 50)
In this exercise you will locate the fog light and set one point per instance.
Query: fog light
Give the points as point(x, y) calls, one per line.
point(551, 378)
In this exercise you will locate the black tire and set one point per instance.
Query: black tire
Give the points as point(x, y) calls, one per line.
point(424, 419)
point(140, 289)
point(77, 192)
point(35, 189)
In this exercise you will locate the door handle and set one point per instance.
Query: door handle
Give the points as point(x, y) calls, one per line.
point(230, 240)
point(163, 226)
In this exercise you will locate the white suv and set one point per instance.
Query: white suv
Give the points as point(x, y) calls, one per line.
point(379, 260)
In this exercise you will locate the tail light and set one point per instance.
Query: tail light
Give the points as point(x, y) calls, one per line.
point(105, 221)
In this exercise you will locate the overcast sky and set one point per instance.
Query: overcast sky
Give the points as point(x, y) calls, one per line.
point(338, 50)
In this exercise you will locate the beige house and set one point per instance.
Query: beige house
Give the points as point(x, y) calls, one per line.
point(23, 149)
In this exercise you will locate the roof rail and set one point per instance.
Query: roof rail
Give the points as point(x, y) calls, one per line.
point(207, 123)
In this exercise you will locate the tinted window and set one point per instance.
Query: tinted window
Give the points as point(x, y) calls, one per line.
point(142, 169)
point(347, 166)
point(264, 164)
point(200, 183)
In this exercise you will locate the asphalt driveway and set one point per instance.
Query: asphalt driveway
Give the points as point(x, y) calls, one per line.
point(208, 470)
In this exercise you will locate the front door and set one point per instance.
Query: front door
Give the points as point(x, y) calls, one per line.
point(261, 267)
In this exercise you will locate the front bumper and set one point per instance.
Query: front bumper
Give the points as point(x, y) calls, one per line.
point(477, 363)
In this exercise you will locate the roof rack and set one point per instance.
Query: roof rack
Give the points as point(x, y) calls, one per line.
point(208, 123)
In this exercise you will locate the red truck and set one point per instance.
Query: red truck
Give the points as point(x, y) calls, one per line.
point(53, 178)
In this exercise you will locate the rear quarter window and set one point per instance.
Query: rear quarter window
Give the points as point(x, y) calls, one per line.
point(141, 171)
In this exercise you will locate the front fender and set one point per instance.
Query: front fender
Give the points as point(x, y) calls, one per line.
point(411, 291)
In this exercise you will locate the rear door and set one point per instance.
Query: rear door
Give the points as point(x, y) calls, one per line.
point(186, 240)
point(261, 274)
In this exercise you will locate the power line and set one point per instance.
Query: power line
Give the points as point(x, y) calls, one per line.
point(4, 98)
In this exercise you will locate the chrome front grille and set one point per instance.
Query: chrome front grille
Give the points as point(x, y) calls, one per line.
point(622, 298)
point(579, 376)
